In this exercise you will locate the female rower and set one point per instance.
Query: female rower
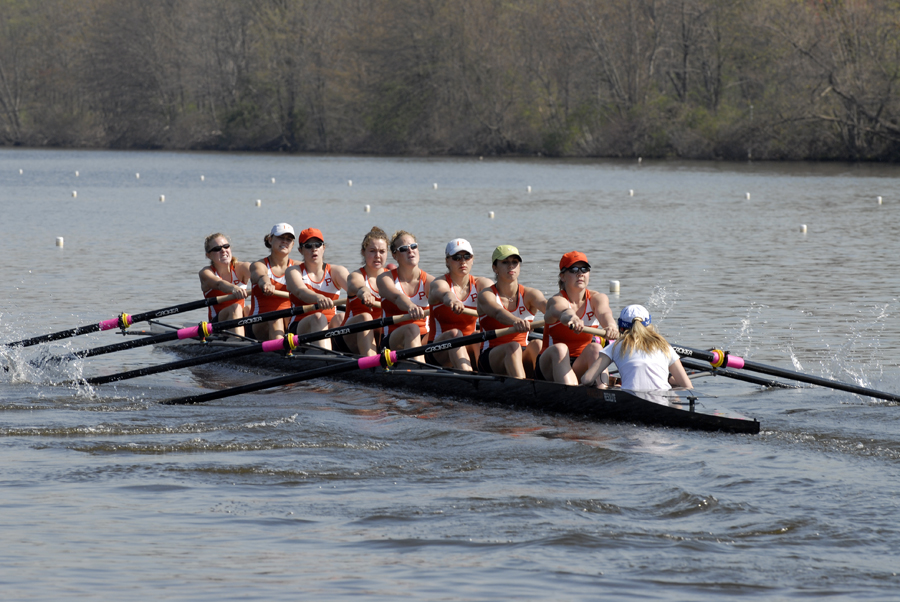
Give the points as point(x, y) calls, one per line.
point(404, 290)
point(644, 358)
point(269, 288)
point(315, 282)
point(508, 303)
point(224, 275)
point(363, 300)
point(567, 351)
point(450, 297)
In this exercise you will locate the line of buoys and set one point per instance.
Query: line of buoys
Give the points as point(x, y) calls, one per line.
point(21, 172)
point(137, 176)
point(529, 189)
point(76, 173)
point(748, 196)
point(162, 198)
point(273, 180)
point(803, 228)
point(614, 286)
point(435, 185)
point(74, 194)
point(349, 182)
point(879, 200)
point(368, 209)
point(259, 202)
point(202, 178)
point(59, 241)
point(631, 192)
point(491, 214)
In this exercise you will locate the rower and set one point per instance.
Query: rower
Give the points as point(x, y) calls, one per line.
point(225, 275)
point(269, 288)
point(450, 297)
point(404, 290)
point(644, 358)
point(508, 303)
point(363, 300)
point(567, 351)
point(315, 282)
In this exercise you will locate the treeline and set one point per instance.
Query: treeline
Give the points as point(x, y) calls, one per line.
point(768, 79)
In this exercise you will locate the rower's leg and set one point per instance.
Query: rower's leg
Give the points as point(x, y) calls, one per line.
point(555, 364)
point(457, 358)
point(361, 343)
point(507, 359)
point(233, 312)
point(588, 356)
point(315, 323)
point(529, 357)
point(405, 337)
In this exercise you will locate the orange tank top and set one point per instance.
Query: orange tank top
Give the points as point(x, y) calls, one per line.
point(560, 333)
point(326, 287)
point(488, 323)
point(214, 292)
point(263, 304)
point(443, 319)
point(419, 297)
point(356, 307)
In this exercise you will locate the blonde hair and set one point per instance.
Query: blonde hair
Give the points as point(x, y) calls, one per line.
point(212, 237)
point(398, 234)
point(375, 233)
point(642, 338)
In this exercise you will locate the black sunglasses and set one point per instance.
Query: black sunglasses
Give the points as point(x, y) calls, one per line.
point(312, 245)
point(461, 257)
point(219, 248)
point(410, 247)
point(576, 269)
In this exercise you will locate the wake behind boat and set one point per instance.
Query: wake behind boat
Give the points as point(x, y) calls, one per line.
point(680, 409)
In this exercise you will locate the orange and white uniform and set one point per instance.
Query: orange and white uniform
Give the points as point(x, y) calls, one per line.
point(443, 319)
point(419, 297)
point(263, 304)
point(575, 341)
point(489, 323)
point(326, 287)
point(356, 307)
point(214, 292)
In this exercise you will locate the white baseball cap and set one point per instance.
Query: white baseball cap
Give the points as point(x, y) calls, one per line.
point(279, 229)
point(456, 245)
point(632, 313)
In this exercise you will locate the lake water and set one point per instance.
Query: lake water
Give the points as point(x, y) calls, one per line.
point(325, 490)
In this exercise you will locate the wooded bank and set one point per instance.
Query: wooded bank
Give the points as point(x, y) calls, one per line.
point(732, 79)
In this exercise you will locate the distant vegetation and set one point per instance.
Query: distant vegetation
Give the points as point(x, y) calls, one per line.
point(768, 79)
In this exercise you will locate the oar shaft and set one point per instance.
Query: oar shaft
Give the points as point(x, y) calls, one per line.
point(733, 361)
point(386, 359)
point(123, 320)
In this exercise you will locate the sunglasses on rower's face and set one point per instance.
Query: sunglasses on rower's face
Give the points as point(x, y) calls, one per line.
point(312, 245)
point(461, 257)
point(218, 248)
point(410, 247)
point(578, 269)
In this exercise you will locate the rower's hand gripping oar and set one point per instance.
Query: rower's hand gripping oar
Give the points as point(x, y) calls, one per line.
point(122, 321)
point(386, 359)
point(722, 359)
point(288, 343)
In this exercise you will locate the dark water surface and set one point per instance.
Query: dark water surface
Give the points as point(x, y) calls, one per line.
point(326, 489)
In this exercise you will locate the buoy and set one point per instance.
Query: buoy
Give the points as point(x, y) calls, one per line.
point(202, 178)
point(20, 172)
point(481, 158)
point(368, 208)
point(803, 228)
point(639, 160)
point(74, 194)
point(491, 215)
point(259, 202)
point(59, 241)
point(435, 185)
point(349, 182)
point(273, 180)
point(614, 286)
point(76, 174)
point(748, 196)
point(879, 200)
point(529, 189)
point(631, 193)
point(137, 176)
point(162, 198)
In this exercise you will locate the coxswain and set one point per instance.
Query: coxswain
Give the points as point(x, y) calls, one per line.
point(225, 275)
point(508, 303)
point(404, 290)
point(269, 287)
point(363, 300)
point(567, 351)
point(314, 282)
point(645, 360)
point(450, 298)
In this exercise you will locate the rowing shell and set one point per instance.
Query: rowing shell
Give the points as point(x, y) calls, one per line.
point(670, 408)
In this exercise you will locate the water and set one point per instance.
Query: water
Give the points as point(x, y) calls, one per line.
point(330, 490)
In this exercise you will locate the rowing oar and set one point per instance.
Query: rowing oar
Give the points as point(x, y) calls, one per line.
point(288, 343)
point(203, 329)
point(122, 321)
point(385, 360)
point(722, 359)
point(747, 378)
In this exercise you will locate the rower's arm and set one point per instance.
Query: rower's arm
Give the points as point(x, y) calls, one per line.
point(600, 303)
point(293, 278)
point(679, 376)
point(389, 292)
point(596, 369)
point(340, 275)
